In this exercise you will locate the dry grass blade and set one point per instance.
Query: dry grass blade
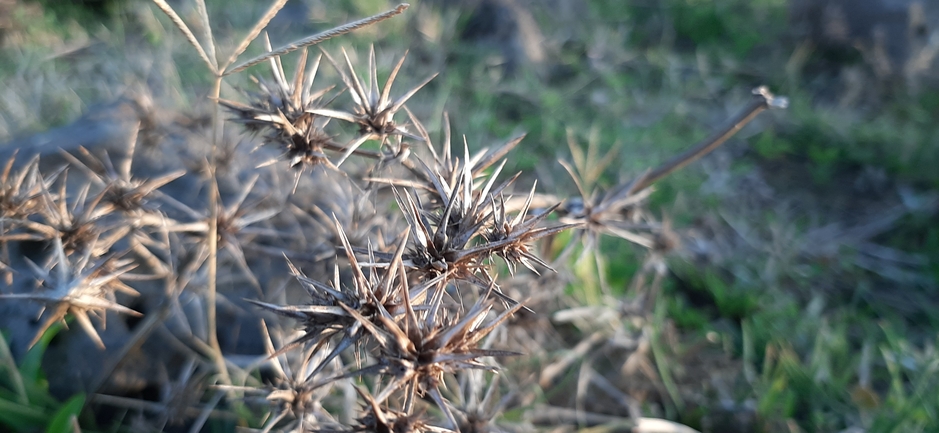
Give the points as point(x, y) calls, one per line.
point(168, 10)
point(261, 25)
point(317, 38)
point(207, 27)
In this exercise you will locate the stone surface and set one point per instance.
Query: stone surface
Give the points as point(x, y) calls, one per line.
point(898, 38)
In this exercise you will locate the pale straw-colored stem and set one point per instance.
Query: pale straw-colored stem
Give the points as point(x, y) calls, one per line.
point(210, 307)
point(261, 25)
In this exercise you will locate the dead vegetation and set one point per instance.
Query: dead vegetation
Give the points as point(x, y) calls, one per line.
point(393, 254)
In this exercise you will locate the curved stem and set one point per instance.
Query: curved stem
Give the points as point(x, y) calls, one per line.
point(762, 99)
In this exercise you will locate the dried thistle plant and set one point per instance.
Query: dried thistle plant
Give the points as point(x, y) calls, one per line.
point(460, 239)
point(374, 109)
point(293, 390)
point(76, 223)
point(132, 196)
point(78, 286)
point(381, 419)
point(477, 402)
point(21, 195)
point(418, 349)
point(395, 314)
point(282, 112)
point(20, 190)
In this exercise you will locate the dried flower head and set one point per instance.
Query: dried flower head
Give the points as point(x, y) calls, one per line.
point(20, 196)
point(122, 191)
point(510, 239)
point(238, 224)
point(79, 286)
point(374, 109)
point(282, 111)
point(477, 401)
point(77, 225)
point(468, 227)
point(419, 348)
point(380, 419)
point(445, 167)
point(293, 390)
point(614, 213)
point(20, 190)
point(382, 292)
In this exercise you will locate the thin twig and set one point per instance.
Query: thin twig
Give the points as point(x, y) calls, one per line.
point(762, 99)
point(258, 27)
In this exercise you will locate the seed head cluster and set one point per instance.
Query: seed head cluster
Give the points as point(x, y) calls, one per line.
point(401, 286)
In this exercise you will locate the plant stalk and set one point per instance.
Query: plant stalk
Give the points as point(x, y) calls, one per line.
point(210, 307)
point(762, 100)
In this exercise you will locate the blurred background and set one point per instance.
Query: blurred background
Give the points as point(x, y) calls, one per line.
point(804, 293)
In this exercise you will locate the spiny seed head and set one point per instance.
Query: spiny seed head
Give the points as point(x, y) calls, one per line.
point(476, 401)
point(374, 109)
point(122, 191)
point(327, 312)
point(80, 287)
point(20, 191)
point(283, 112)
point(293, 389)
point(379, 419)
point(78, 225)
point(510, 239)
point(417, 349)
point(291, 100)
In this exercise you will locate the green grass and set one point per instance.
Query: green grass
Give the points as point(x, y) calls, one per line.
point(25, 402)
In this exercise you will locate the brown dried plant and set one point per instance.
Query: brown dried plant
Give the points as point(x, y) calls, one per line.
point(413, 305)
point(418, 349)
point(380, 292)
point(78, 286)
point(374, 109)
point(282, 112)
point(124, 192)
point(76, 223)
point(20, 190)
